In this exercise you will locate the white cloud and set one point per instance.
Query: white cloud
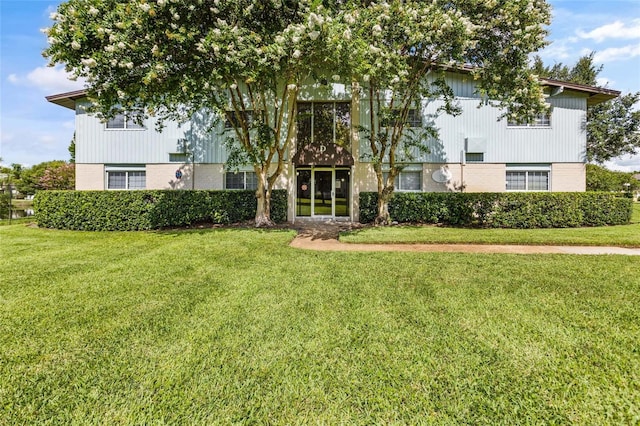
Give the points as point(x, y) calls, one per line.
point(626, 163)
point(71, 124)
point(617, 54)
point(48, 79)
point(605, 82)
point(557, 51)
point(617, 29)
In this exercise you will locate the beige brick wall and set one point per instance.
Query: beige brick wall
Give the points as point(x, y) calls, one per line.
point(485, 177)
point(206, 176)
point(430, 185)
point(90, 177)
point(568, 177)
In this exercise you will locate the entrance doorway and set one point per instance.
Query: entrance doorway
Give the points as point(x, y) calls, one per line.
point(322, 192)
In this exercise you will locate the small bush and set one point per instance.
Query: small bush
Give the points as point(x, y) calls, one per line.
point(149, 209)
point(503, 209)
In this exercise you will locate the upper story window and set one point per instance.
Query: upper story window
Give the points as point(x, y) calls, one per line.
point(474, 157)
point(323, 123)
point(231, 119)
point(541, 120)
point(414, 118)
point(126, 121)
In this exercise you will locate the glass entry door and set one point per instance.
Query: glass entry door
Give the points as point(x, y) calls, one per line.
point(322, 192)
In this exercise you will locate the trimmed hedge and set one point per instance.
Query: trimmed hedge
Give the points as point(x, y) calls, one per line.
point(148, 209)
point(503, 209)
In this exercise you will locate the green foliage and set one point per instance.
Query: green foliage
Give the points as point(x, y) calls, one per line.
point(72, 149)
point(503, 209)
point(5, 199)
point(172, 60)
point(399, 49)
point(613, 128)
point(149, 209)
point(601, 179)
point(55, 174)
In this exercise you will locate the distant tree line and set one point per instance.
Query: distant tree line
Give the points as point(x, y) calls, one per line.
point(48, 175)
point(601, 179)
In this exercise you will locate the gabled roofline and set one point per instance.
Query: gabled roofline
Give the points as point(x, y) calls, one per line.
point(595, 95)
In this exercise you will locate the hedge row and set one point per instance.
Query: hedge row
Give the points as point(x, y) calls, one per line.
point(148, 209)
point(503, 209)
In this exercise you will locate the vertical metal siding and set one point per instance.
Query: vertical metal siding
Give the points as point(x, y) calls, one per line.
point(563, 142)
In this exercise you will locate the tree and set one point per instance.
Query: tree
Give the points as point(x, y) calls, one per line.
point(47, 175)
point(601, 179)
point(61, 177)
point(613, 127)
point(72, 149)
point(400, 50)
point(244, 60)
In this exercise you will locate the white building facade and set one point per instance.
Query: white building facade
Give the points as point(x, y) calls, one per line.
point(327, 165)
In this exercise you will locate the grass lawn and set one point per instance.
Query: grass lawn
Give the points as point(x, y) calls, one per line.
point(623, 235)
point(222, 326)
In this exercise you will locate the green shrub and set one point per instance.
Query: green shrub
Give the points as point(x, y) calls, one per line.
point(5, 201)
point(503, 209)
point(149, 209)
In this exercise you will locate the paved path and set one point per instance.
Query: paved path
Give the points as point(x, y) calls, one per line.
point(323, 236)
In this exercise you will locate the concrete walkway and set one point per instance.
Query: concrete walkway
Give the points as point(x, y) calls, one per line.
point(323, 236)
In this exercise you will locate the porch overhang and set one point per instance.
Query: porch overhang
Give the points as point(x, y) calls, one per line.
point(328, 154)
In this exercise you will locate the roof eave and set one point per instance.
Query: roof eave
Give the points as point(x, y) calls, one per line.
point(595, 95)
point(67, 99)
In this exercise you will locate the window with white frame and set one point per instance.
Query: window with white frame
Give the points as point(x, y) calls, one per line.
point(240, 180)
point(126, 179)
point(407, 180)
point(125, 121)
point(540, 120)
point(527, 180)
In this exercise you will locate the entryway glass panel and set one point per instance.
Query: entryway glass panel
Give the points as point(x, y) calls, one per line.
point(303, 193)
point(322, 192)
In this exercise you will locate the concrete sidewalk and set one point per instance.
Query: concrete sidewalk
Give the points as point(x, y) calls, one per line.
point(323, 236)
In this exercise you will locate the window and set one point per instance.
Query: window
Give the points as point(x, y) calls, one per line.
point(407, 180)
point(178, 157)
point(323, 123)
point(527, 180)
point(240, 180)
point(231, 120)
point(541, 120)
point(474, 157)
point(414, 119)
point(125, 121)
point(126, 179)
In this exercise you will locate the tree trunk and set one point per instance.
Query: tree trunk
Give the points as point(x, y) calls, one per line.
point(383, 218)
point(263, 209)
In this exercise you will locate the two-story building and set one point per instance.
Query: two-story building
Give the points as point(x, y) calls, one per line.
point(327, 166)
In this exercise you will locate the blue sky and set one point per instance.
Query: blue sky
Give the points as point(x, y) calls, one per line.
point(33, 130)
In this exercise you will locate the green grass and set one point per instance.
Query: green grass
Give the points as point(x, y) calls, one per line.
point(234, 326)
point(622, 235)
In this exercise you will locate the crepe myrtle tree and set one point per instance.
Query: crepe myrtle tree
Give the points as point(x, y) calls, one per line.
point(242, 60)
point(400, 50)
